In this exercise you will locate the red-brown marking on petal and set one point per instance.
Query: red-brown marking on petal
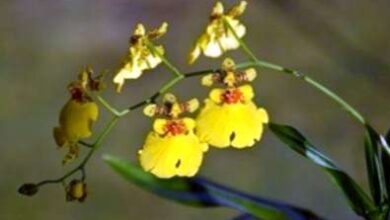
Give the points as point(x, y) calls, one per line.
point(232, 96)
point(175, 127)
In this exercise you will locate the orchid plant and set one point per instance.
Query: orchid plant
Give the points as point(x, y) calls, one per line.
point(181, 136)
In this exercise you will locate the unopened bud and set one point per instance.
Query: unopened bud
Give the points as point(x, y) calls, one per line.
point(76, 190)
point(28, 189)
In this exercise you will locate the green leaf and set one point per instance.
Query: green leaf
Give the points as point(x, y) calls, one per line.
point(386, 162)
point(374, 155)
point(200, 192)
point(356, 197)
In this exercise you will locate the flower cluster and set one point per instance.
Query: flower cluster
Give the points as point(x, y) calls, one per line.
point(229, 117)
point(180, 137)
point(176, 145)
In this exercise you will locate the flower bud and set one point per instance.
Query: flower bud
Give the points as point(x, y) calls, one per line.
point(28, 189)
point(76, 190)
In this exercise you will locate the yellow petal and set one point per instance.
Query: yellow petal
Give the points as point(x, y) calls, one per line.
point(169, 98)
point(158, 32)
point(171, 156)
point(240, 30)
point(247, 125)
point(194, 54)
point(237, 10)
point(175, 110)
point(263, 115)
point(59, 136)
point(189, 123)
point(230, 79)
point(207, 80)
point(238, 125)
point(159, 126)
point(128, 71)
point(212, 48)
point(212, 125)
point(76, 119)
point(193, 105)
point(153, 60)
point(251, 74)
point(228, 64)
point(215, 95)
point(217, 9)
point(163, 28)
point(247, 91)
point(150, 110)
point(229, 42)
point(139, 30)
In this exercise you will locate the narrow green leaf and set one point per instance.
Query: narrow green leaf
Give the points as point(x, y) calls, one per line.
point(204, 193)
point(386, 162)
point(374, 149)
point(356, 197)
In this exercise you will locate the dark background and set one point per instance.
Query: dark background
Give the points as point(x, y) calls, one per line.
point(44, 44)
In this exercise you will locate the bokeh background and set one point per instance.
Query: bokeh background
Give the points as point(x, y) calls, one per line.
point(44, 44)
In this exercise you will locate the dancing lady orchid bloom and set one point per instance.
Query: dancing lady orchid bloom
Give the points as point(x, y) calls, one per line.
point(140, 57)
point(218, 38)
point(230, 117)
point(172, 148)
point(77, 116)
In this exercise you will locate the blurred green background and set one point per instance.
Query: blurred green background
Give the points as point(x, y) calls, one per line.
point(44, 44)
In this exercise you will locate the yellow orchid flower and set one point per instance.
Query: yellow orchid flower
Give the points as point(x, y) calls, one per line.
point(140, 57)
point(172, 148)
point(75, 120)
point(218, 38)
point(230, 117)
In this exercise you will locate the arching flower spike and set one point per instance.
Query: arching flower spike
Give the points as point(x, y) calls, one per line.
point(230, 117)
point(217, 37)
point(172, 148)
point(140, 57)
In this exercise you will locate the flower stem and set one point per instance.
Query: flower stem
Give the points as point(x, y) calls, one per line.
point(323, 89)
point(94, 147)
point(164, 60)
point(171, 83)
point(100, 139)
point(257, 62)
point(111, 109)
point(242, 43)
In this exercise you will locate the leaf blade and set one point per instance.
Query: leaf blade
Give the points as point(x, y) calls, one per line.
point(374, 163)
point(386, 161)
point(204, 193)
point(356, 197)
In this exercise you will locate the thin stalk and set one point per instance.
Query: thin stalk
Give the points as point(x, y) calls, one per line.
point(106, 105)
point(93, 147)
point(242, 43)
point(170, 84)
point(100, 139)
point(352, 111)
point(170, 66)
point(315, 84)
